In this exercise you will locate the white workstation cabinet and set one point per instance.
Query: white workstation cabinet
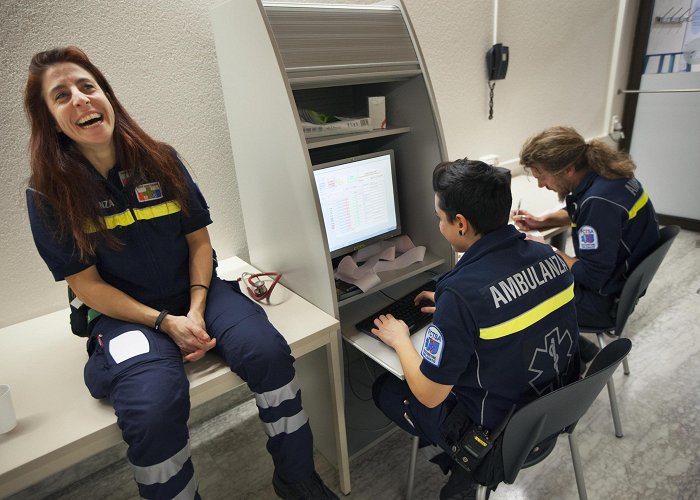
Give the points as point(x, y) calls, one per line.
point(275, 58)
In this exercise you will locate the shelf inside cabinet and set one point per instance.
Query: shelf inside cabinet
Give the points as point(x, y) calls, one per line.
point(390, 278)
point(331, 140)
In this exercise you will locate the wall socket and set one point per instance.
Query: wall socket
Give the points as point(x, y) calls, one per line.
point(616, 133)
point(615, 124)
point(490, 159)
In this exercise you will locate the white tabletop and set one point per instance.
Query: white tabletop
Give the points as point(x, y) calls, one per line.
point(372, 347)
point(537, 201)
point(59, 423)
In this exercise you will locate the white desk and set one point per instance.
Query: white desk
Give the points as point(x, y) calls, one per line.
point(537, 201)
point(379, 352)
point(60, 424)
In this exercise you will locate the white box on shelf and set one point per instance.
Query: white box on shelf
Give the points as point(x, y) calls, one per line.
point(376, 108)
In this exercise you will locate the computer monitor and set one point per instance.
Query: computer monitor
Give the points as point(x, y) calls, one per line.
point(359, 201)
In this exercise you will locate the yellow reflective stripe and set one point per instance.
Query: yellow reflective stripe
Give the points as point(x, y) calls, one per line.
point(639, 204)
point(160, 210)
point(122, 219)
point(528, 318)
point(125, 218)
point(573, 225)
point(111, 221)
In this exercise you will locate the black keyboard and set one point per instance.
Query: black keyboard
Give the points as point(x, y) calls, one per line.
point(345, 290)
point(403, 309)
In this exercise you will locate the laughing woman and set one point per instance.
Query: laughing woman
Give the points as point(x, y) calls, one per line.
point(116, 215)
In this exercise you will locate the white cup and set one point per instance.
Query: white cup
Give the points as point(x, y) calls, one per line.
point(7, 411)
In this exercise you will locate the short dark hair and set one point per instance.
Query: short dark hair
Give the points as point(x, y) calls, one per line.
point(478, 191)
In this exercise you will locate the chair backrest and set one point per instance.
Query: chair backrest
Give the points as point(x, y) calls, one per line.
point(641, 276)
point(559, 410)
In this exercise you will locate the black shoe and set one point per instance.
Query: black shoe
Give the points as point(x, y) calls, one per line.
point(308, 489)
point(587, 349)
point(460, 486)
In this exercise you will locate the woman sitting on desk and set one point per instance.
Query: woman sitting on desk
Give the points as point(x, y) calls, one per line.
point(117, 215)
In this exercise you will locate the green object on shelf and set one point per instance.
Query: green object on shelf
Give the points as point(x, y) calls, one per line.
point(311, 116)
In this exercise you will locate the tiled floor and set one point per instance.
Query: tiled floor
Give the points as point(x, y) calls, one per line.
point(657, 459)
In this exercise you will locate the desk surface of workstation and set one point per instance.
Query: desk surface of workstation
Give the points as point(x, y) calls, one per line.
point(59, 423)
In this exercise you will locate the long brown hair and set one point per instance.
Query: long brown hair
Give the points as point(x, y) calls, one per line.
point(557, 148)
point(58, 174)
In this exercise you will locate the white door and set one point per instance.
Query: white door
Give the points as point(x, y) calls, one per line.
point(666, 139)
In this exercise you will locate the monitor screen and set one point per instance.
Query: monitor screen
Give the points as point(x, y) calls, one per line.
point(359, 200)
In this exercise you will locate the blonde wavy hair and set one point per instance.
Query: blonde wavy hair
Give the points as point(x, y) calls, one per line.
point(557, 148)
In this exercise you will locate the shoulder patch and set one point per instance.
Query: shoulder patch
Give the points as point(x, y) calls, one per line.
point(433, 345)
point(587, 238)
point(148, 192)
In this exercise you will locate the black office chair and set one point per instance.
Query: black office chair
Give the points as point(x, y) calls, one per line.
point(530, 435)
point(556, 412)
point(634, 288)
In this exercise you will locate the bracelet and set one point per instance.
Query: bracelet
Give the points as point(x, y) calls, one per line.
point(159, 319)
point(201, 286)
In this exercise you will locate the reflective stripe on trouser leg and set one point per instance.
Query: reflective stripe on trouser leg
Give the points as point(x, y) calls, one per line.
point(277, 396)
point(151, 401)
point(258, 354)
point(160, 473)
point(289, 435)
point(273, 399)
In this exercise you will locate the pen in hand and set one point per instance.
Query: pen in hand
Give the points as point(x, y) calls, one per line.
point(517, 209)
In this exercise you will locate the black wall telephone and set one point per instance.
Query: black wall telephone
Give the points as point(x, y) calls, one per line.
point(496, 69)
point(497, 62)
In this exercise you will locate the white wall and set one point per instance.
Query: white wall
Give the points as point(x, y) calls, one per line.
point(159, 57)
point(558, 72)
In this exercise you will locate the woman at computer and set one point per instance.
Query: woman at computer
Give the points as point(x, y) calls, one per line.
point(503, 332)
point(117, 215)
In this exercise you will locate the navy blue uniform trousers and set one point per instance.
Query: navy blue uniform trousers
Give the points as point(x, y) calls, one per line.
point(593, 309)
point(395, 399)
point(149, 391)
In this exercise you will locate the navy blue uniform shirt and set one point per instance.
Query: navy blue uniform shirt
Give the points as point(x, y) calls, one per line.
point(614, 226)
point(504, 329)
point(152, 265)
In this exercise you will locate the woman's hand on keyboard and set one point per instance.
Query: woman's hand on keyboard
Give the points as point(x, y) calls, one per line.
point(391, 331)
point(426, 301)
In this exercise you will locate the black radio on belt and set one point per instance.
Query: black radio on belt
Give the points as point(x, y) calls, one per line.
point(78, 315)
point(472, 447)
point(475, 442)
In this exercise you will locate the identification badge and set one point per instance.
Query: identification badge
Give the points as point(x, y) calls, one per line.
point(587, 238)
point(148, 192)
point(433, 345)
point(124, 177)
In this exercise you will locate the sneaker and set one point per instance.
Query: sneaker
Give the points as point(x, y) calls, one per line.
point(312, 488)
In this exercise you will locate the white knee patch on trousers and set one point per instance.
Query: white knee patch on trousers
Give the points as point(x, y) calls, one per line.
point(127, 345)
